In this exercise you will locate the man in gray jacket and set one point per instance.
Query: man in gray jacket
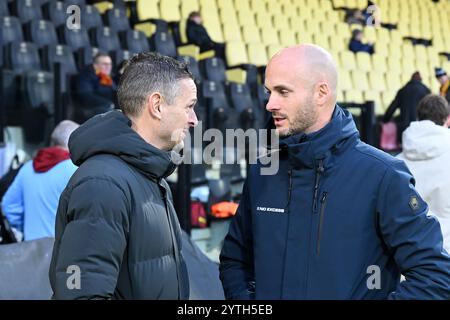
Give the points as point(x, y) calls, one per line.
point(117, 234)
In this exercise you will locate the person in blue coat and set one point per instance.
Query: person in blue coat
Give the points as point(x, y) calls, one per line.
point(340, 219)
point(31, 202)
point(356, 44)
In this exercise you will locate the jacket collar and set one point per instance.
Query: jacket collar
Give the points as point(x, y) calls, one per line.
point(304, 150)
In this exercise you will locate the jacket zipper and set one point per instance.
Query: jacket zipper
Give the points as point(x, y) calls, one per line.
point(322, 211)
point(289, 190)
point(319, 171)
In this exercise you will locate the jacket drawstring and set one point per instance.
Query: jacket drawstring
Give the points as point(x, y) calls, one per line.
point(319, 171)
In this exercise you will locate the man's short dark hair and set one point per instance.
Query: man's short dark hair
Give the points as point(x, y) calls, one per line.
point(146, 73)
point(433, 107)
point(194, 14)
point(99, 55)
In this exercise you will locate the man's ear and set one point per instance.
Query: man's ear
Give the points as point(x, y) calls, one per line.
point(154, 105)
point(323, 92)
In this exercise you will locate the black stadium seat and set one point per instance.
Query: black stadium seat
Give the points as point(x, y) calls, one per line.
point(214, 69)
point(136, 41)
point(42, 33)
point(91, 18)
point(117, 19)
point(23, 56)
point(4, 10)
point(243, 104)
point(11, 30)
point(64, 56)
point(192, 66)
point(106, 39)
point(164, 44)
point(55, 11)
point(28, 10)
point(38, 87)
point(75, 38)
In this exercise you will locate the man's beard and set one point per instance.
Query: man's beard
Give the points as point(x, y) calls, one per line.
point(305, 117)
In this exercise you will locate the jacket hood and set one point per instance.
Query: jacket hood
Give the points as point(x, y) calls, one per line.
point(47, 158)
point(307, 148)
point(111, 133)
point(424, 140)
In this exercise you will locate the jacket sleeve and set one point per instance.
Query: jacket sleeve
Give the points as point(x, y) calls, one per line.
point(93, 240)
point(236, 258)
point(414, 238)
point(392, 107)
point(12, 202)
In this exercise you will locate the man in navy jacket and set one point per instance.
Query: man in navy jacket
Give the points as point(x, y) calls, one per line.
point(340, 219)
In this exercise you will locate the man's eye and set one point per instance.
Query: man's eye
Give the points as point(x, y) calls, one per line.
point(284, 92)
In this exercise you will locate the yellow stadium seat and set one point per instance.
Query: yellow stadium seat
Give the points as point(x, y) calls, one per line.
point(304, 37)
point(272, 49)
point(264, 19)
point(274, 7)
point(214, 30)
point(245, 18)
point(382, 35)
point(379, 63)
point(344, 80)
point(313, 27)
point(388, 96)
point(258, 6)
point(347, 60)
point(408, 67)
point(396, 38)
point(297, 23)
point(363, 61)
point(251, 34)
point(353, 96)
point(228, 17)
point(372, 95)
point(382, 49)
point(376, 81)
point(103, 6)
point(408, 51)
point(370, 34)
point(189, 50)
point(189, 6)
point(231, 32)
point(146, 27)
point(257, 54)
point(394, 65)
point(208, 5)
point(394, 51)
point(269, 36)
point(147, 9)
point(287, 38)
point(343, 30)
point(170, 10)
point(237, 75)
point(420, 53)
point(337, 44)
point(280, 22)
point(359, 80)
point(236, 53)
point(340, 96)
point(321, 40)
point(221, 4)
point(242, 6)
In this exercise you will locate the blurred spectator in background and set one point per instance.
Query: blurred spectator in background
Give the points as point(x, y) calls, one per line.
point(356, 44)
point(31, 201)
point(444, 80)
point(197, 34)
point(95, 89)
point(426, 151)
point(406, 100)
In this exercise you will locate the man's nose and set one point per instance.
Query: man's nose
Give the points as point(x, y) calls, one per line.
point(272, 105)
point(193, 121)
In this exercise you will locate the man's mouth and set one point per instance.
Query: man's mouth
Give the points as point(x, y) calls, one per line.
point(279, 121)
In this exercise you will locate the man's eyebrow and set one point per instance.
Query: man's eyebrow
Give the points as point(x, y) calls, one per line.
point(281, 87)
